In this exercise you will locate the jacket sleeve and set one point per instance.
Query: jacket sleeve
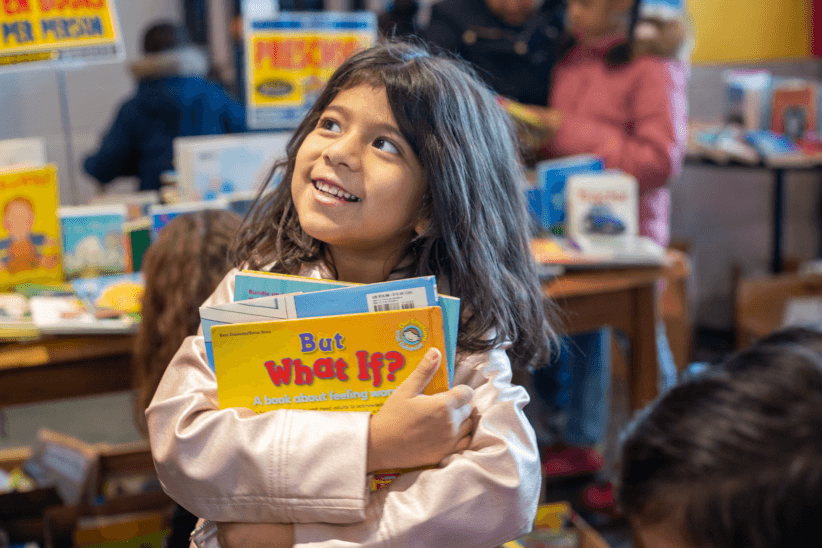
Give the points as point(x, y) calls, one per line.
point(116, 156)
point(653, 151)
point(481, 497)
point(282, 466)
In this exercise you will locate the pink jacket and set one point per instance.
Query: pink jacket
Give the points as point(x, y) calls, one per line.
point(634, 116)
point(309, 467)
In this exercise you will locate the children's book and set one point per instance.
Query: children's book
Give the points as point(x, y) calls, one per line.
point(93, 240)
point(214, 166)
point(137, 236)
point(69, 316)
point(580, 252)
point(19, 153)
point(112, 296)
point(30, 231)
point(161, 215)
point(602, 204)
point(329, 363)
point(104, 305)
point(391, 295)
point(350, 362)
point(747, 93)
point(775, 149)
point(15, 318)
point(795, 108)
point(251, 284)
point(548, 205)
point(137, 203)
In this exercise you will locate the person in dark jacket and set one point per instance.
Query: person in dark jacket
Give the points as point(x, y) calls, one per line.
point(511, 42)
point(173, 99)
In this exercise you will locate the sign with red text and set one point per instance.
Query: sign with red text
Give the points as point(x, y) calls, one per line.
point(39, 32)
point(290, 57)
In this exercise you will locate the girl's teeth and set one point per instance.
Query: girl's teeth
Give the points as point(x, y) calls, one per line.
point(335, 191)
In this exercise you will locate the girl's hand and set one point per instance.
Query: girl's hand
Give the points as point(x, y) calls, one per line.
point(412, 429)
point(254, 535)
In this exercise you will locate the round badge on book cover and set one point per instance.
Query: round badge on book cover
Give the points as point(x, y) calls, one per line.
point(411, 335)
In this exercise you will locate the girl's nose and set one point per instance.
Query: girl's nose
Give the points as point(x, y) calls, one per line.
point(344, 151)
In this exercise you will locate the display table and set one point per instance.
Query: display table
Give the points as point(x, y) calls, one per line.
point(64, 367)
point(624, 299)
point(777, 173)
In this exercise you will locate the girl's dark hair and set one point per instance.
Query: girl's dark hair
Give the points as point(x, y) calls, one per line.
point(476, 240)
point(619, 55)
point(181, 270)
point(733, 458)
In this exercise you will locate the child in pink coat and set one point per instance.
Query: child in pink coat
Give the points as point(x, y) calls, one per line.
point(617, 92)
point(624, 100)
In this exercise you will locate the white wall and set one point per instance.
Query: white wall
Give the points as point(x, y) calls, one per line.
point(30, 101)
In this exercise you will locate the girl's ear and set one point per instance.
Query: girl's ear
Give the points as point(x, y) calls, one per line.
point(421, 226)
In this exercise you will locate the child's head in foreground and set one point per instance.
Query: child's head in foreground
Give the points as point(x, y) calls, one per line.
point(733, 457)
point(182, 267)
point(406, 166)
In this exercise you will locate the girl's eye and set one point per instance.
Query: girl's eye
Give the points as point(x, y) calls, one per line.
point(330, 125)
point(386, 145)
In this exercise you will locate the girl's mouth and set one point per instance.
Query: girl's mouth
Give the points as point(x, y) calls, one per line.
point(334, 191)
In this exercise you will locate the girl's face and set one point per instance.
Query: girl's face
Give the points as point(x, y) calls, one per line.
point(357, 185)
point(592, 20)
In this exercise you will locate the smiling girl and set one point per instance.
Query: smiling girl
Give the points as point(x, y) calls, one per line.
point(405, 166)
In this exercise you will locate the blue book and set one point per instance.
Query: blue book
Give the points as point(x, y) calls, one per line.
point(161, 215)
point(92, 240)
point(551, 177)
point(352, 299)
point(251, 284)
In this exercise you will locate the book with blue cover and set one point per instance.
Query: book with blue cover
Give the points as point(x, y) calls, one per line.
point(93, 240)
point(379, 297)
point(251, 284)
point(551, 178)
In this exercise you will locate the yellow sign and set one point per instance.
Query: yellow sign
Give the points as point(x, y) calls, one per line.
point(31, 29)
point(290, 58)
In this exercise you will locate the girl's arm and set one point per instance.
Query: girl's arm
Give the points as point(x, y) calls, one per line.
point(480, 497)
point(653, 151)
point(287, 466)
point(235, 465)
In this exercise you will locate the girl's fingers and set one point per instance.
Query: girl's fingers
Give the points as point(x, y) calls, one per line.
point(463, 444)
point(458, 396)
point(462, 413)
point(466, 427)
point(419, 378)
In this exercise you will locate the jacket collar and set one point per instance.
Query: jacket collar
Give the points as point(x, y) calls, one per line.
point(187, 61)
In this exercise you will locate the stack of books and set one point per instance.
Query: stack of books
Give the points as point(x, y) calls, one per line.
point(303, 343)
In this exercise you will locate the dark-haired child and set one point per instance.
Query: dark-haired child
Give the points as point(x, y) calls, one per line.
point(733, 457)
point(181, 268)
point(405, 166)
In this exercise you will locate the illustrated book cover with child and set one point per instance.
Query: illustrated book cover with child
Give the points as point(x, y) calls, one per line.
point(30, 231)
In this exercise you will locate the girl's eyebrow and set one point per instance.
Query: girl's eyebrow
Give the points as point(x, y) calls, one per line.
point(382, 127)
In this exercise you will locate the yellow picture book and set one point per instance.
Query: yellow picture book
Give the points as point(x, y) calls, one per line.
point(30, 230)
point(350, 362)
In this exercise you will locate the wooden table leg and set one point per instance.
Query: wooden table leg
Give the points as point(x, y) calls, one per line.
point(645, 368)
